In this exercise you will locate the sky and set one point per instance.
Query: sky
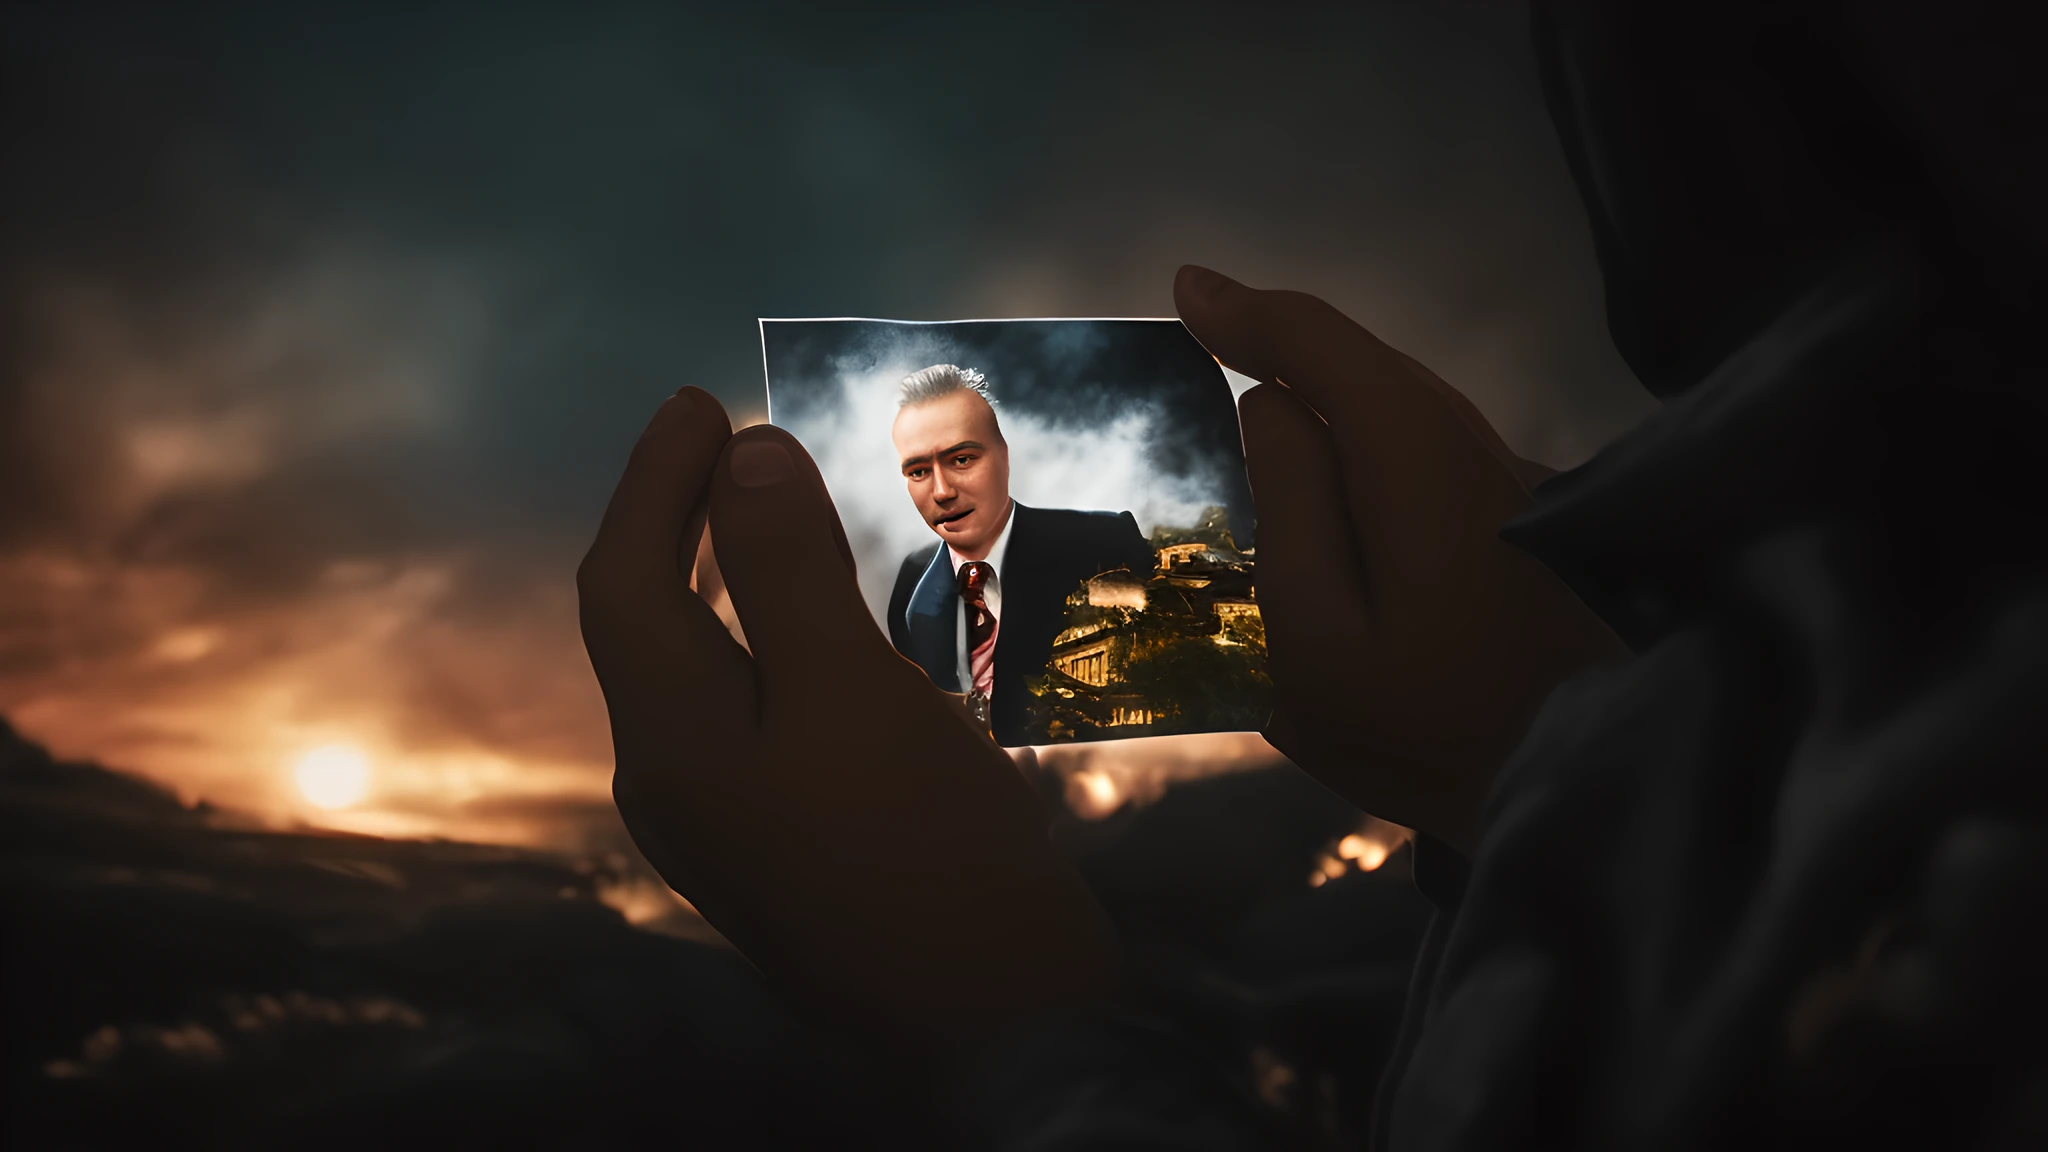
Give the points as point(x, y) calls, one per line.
point(325, 330)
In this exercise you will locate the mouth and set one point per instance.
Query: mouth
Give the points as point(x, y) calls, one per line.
point(942, 521)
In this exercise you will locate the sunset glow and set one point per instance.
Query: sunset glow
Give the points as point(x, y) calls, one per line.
point(334, 776)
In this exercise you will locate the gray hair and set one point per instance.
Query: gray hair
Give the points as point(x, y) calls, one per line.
point(931, 383)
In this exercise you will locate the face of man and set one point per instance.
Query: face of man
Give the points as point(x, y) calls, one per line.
point(957, 469)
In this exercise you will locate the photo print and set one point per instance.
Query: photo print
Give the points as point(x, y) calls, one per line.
point(1050, 517)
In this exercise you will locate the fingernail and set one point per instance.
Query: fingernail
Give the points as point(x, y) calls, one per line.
point(759, 463)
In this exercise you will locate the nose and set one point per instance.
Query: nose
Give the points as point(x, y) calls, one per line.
point(942, 491)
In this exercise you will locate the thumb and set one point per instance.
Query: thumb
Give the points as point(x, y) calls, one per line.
point(788, 567)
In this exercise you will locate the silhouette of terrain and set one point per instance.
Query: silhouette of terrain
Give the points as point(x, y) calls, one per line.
point(174, 978)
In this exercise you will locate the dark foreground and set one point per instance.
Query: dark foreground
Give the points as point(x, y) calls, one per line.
point(173, 981)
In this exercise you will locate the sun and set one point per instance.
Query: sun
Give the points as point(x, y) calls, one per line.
point(334, 776)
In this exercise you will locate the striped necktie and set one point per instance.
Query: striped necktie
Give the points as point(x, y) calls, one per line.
point(981, 625)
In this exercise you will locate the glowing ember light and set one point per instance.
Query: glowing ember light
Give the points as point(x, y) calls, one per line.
point(1369, 854)
point(334, 776)
point(639, 900)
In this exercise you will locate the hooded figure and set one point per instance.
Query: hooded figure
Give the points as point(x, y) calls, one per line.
point(1783, 878)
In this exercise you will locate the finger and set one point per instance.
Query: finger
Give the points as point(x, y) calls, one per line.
point(651, 835)
point(1298, 340)
point(1362, 387)
point(1424, 491)
point(1475, 421)
point(789, 569)
point(657, 649)
point(641, 542)
point(1309, 562)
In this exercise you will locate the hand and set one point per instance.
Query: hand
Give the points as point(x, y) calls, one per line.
point(817, 799)
point(1409, 646)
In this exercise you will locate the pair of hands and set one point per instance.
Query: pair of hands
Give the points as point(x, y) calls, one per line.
point(882, 861)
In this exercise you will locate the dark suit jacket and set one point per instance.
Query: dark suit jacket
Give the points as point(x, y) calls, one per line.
point(1051, 551)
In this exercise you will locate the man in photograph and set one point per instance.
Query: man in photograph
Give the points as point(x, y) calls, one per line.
point(978, 609)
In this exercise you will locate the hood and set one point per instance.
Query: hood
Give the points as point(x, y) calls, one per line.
point(1732, 156)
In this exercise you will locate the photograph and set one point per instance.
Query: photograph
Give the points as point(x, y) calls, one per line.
point(1049, 517)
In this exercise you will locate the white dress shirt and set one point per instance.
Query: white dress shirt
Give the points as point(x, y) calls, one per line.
point(993, 595)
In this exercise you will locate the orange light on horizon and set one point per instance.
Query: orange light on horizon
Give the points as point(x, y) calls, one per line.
point(333, 776)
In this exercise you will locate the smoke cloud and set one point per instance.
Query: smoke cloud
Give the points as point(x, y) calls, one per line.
point(1074, 442)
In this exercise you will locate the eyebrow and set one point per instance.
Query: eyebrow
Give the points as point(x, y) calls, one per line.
point(945, 452)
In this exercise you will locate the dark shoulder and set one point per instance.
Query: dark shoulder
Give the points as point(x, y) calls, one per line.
point(1068, 516)
point(1108, 535)
point(1078, 521)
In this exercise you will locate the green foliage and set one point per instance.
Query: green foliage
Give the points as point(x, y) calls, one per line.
point(1211, 687)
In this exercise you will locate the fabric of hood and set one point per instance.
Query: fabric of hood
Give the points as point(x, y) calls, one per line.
point(1734, 156)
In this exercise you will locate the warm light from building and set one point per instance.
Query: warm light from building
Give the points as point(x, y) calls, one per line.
point(1367, 848)
point(1369, 854)
point(1116, 594)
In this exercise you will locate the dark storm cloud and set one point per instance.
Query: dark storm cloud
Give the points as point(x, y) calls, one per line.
point(287, 290)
